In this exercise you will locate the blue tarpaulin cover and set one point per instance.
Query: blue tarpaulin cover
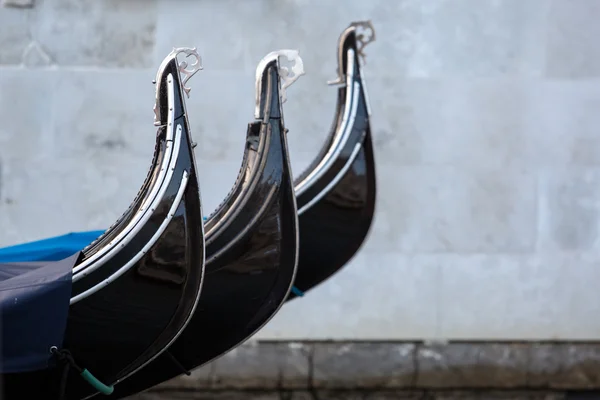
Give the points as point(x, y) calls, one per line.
point(51, 249)
point(34, 305)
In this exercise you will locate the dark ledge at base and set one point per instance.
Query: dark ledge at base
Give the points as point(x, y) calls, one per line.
point(366, 395)
point(384, 366)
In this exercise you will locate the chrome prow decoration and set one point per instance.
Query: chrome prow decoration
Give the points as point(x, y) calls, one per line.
point(297, 70)
point(365, 34)
point(195, 67)
point(82, 270)
point(186, 74)
point(252, 247)
point(287, 75)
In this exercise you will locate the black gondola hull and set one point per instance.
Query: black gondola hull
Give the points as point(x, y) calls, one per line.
point(336, 209)
point(251, 264)
point(135, 298)
point(334, 229)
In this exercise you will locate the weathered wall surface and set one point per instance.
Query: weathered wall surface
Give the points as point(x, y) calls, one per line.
point(486, 125)
point(393, 371)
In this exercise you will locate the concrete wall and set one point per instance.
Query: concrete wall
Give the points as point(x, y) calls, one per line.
point(486, 124)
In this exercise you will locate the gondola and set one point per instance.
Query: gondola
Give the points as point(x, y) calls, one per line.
point(251, 241)
point(336, 193)
point(135, 288)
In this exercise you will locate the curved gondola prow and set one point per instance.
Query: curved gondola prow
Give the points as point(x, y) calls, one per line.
point(350, 82)
point(152, 279)
point(260, 279)
point(336, 193)
point(134, 298)
point(119, 228)
point(269, 99)
point(190, 271)
point(252, 265)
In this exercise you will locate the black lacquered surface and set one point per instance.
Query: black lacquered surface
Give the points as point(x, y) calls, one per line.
point(332, 230)
point(116, 330)
point(334, 227)
point(251, 257)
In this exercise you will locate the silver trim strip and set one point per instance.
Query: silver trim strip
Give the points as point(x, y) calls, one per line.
point(353, 156)
point(141, 222)
point(161, 229)
point(250, 224)
point(258, 80)
point(284, 81)
point(188, 319)
point(340, 140)
point(197, 299)
point(178, 198)
point(240, 201)
point(335, 181)
point(134, 225)
point(363, 81)
point(285, 78)
point(284, 144)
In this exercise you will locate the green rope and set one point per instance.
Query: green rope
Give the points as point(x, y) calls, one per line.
point(66, 356)
point(99, 386)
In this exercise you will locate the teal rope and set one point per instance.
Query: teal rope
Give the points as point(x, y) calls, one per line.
point(99, 386)
point(65, 355)
point(297, 291)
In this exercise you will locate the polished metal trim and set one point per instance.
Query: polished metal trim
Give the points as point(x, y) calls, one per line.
point(340, 140)
point(335, 181)
point(161, 229)
point(363, 81)
point(284, 145)
point(249, 225)
point(142, 216)
point(186, 322)
point(286, 79)
point(190, 315)
point(351, 159)
point(183, 185)
point(197, 299)
point(188, 73)
point(363, 39)
point(240, 201)
point(365, 34)
point(149, 212)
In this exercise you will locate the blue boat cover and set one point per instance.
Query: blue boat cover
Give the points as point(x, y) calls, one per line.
point(51, 249)
point(34, 305)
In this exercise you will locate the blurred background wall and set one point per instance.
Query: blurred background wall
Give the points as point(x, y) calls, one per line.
point(486, 126)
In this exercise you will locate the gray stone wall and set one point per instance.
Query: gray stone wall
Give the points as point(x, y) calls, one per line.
point(407, 370)
point(398, 366)
point(357, 395)
point(485, 120)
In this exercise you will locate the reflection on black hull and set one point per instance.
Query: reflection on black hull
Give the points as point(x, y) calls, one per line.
point(251, 247)
point(134, 294)
point(336, 194)
point(333, 230)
